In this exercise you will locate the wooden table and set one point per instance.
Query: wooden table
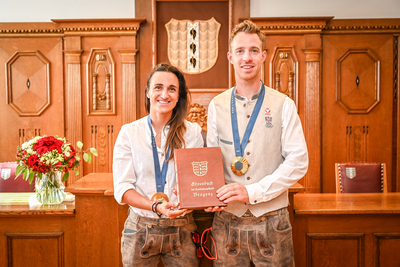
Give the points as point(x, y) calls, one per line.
point(347, 229)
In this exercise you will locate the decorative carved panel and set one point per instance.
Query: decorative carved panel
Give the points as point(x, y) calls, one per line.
point(197, 113)
point(101, 82)
point(284, 69)
point(102, 139)
point(323, 249)
point(357, 143)
point(43, 249)
point(28, 83)
point(26, 134)
point(358, 81)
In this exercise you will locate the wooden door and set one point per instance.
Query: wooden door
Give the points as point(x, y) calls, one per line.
point(357, 102)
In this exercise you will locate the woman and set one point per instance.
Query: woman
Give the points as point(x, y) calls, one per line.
point(144, 175)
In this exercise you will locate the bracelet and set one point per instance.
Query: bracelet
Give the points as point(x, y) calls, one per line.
point(154, 208)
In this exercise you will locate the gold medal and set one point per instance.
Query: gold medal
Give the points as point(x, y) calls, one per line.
point(160, 197)
point(239, 165)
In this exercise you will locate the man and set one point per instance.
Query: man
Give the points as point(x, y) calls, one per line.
point(264, 153)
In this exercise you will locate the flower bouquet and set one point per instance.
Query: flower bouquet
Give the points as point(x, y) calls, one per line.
point(46, 158)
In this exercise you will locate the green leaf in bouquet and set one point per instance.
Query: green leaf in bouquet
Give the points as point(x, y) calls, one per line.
point(77, 172)
point(79, 144)
point(89, 158)
point(40, 175)
point(85, 157)
point(20, 169)
point(26, 173)
point(94, 151)
point(65, 177)
point(31, 176)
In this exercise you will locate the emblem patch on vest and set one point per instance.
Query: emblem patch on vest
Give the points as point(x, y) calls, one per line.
point(268, 122)
point(351, 172)
point(193, 45)
point(200, 168)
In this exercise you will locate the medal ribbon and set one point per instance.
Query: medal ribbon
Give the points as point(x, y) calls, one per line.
point(239, 147)
point(160, 175)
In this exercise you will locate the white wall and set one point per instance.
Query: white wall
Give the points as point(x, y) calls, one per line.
point(45, 10)
point(340, 9)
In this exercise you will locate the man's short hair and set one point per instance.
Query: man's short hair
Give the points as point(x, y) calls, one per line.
point(246, 26)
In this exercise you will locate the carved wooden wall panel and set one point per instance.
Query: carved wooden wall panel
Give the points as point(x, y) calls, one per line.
point(42, 249)
point(101, 82)
point(386, 246)
point(284, 72)
point(103, 138)
point(323, 249)
point(28, 83)
point(356, 92)
point(357, 116)
point(39, 60)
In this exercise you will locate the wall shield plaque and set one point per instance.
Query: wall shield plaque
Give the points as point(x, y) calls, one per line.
point(193, 45)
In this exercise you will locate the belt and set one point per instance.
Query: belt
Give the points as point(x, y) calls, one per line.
point(163, 222)
point(248, 213)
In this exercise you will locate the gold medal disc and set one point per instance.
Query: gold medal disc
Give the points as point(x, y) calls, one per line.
point(239, 165)
point(160, 197)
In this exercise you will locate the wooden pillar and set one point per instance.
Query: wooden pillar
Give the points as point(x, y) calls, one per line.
point(73, 94)
point(129, 90)
point(312, 127)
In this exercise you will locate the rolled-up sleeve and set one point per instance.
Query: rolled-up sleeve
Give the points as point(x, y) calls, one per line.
point(123, 171)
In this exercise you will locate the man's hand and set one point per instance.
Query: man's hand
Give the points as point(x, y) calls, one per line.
point(233, 192)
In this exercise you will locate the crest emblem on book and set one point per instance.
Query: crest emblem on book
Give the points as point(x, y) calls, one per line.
point(200, 168)
point(351, 172)
point(193, 45)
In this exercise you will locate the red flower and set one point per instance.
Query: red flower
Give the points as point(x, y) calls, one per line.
point(71, 162)
point(55, 147)
point(33, 160)
point(42, 150)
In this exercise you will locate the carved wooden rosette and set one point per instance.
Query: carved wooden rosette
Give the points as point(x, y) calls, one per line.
point(28, 88)
point(284, 72)
point(100, 82)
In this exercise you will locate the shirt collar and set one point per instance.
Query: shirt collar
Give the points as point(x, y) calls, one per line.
point(254, 97)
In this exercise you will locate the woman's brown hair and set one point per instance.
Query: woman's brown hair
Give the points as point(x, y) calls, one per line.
point(177, 125)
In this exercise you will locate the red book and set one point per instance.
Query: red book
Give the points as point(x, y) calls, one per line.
point(199, 173)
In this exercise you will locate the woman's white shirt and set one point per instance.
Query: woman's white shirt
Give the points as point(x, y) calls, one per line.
point(133, 166)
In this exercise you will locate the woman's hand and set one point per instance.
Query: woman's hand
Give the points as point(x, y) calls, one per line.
point(169, 209)
point(214, 209)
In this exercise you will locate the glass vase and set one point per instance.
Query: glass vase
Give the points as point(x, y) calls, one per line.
point(50, 189)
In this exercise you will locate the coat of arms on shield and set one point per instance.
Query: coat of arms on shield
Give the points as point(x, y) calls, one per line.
point(200, 168)
point(351, 172)
point(193, 45)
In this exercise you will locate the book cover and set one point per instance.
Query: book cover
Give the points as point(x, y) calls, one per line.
point(199, 173)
